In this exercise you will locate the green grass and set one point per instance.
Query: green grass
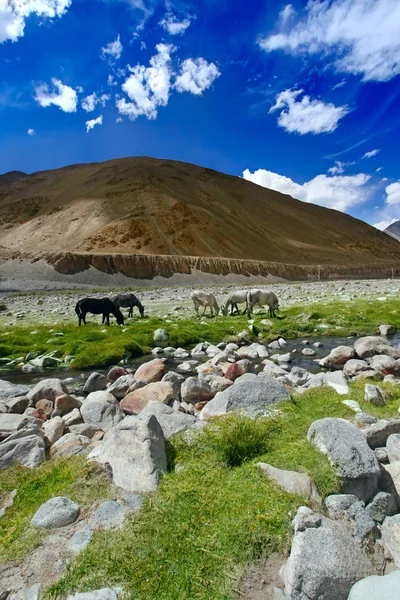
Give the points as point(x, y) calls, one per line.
point(72, 477)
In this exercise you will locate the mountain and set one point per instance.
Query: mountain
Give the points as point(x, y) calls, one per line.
point(162, 207)
point(394, 230)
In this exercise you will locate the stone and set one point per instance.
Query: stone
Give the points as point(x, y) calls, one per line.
point(151, 371)
point(56, 512)
point(34, 592)
point(48, 389)
point(373, 394)
point(253, 397)
point(65, 403)
point(176, 380)
point(353, 405)
point(102, 594)
point(376, 587)
point(134, 501)
point(96, 382)
point(338, 357)
point(109, 514)
point(161, 337)
point(262, 352)
point(70, 444)
point(53, 430)
point(84, 429)
point(114, 373)
point(196, 390)
point(337, 505)
point(390, 479)
point(391, 537)
point(170, 420)
point(12, 390)
point(206, 371)
point(73, 418)
point(219, 384)
point(349, 453)
point(273, 370)
point(43, 362)
point(28, 451)
point(368, 346)
point(17, 405)
point(9, 423)
point(325, 561)
point(136, 401)
point(387, 329)
point(292, 482)
point(101, 410)
point(338, 381)
point(381, 454)
point(120, 387)
point(298, 376)
point(247, 352)
point(7, 502)
point(80, 540)
point(393, 447)
point(369, 374)
point(355, 366)
point(385, 364)
point(308, 352)
point(135, 450)
point(378, 432)
point(234, 371)
point(181, 354)
point(383, 505)
point(364, 420)
point(306, 518)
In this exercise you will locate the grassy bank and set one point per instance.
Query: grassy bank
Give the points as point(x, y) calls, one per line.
point(97, 345)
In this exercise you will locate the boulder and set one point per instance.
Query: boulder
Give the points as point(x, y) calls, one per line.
point(196, 390)
point(383, 505)
point(391, 537)
point(73, 418)
point(53, 430)
point(10, 423)
point(233, 371)
point(273, 370)
point(12, 390)
point(349, 453)
point(308, 352)
point(393, 447)
point(109, 514)
point(151, 371)
point(373, 394)
point(101, 410)
point(48, 389)
point(387, 329)
point(135, 450)
point(96, 382)
point(170, 420)
point(70, 444)
point(253, 397)
point(325, 561)
point(376, 587)
point(84, 429)
point(65, 403)
point(17, 405)
point(248, 352)
point(206, 371)
point(176, 380)
point(381, 454)
point(338, 381)
point(390, 479)
point(56, 512)
point(219, 384)
point(337, 357)
point(378, 432)
point(81, 539)
point(292, 482)
point(28, 451)
point(385, 364)
point(120, 387)
point(135, 401)
point(355, 366)
point(337, 505)
point(116, 372)
point(261, 350)
point(368, 346)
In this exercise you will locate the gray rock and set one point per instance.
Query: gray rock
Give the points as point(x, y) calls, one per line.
point(73, 418)
point(308, 352)
point(355, 366)
point(42, 362)
point(381, 454)
point(56, 512)
point(348, 507)
point(391, 537)
point(195, 390)
point(170, 420)
point(80, 540)
point(161, 337)
point(9, 423)
point(353, 405)
point(338, 505)
point(364, 420)
point(338, 381)
point(34, 592)
point(292, 482)
point(102, 410)
point(383, 505)
point(389, 480)
point(109, 514)
point(28, 451)
point(120, 387)
point(70, 444)
point(103, 594)
point(176, 380)
point(53, 430)
point(134, 501)
point(373, 394)
point(376, 587)
point(324, 562)
point(378, 433)
point(48, 389)
point(17, 405)
point(393, 447)
point(84, 429)
point(306, 518)
point(219, 384)
point(387, 329)
point(12, 390)
point(7, 502)
point(349, 453)
point(251, 396)
point(386, 364)
point(135, 450)
point(337, 357)
point(96, 382)
point(368, 346)
point(299, 376)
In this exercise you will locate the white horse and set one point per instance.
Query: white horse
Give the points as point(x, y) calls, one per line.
point(206, 300)
point(232, 300)
point(262, 298)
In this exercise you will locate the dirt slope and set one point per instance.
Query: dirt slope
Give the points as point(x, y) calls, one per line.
point(149, 206)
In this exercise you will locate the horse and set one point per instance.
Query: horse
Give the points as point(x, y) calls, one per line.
point(232, 300)
point(98, 306)
point(128, 300)
point(262, 298)
point(204, 299)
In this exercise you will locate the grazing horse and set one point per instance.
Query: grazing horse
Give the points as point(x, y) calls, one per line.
point(128, 300)
point(232, 300)
point(204, 299)
point(98, 306)
point(262, 298)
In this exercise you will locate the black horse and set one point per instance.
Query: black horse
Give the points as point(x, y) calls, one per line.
point(98, 306)
point(128, 300)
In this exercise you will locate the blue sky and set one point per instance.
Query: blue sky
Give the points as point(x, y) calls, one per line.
point(300, 97)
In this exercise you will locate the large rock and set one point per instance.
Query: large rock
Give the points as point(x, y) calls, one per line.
point(355, 366)
point(387, 329)
point(376, 587)
point(56, 512)
point(338, 381)
point(48, 389)
point(135, 450)
point(393, 447)
point(171, 421)
point(383, 505)
point(159, 391)
point(292, 482)
point(70, 444)
point(10, 423)
point(349, 453)
point(96, 382)
point(337, 357)
point(391, 537)
point(28, 451)
point(373, 394)
point(325, 560)
point(176, 380)
point(233, 371)
point(253, 397)
point(368, 346)
point(385, 364)
point(390, 479)
point(121, 386)
point(101, 410)
point(109, 514)
point(17, 405)
point(53, 430)
point(65, 403)
point(377, 433)
point(195, 390)
point(151, 371)
point(12, 390)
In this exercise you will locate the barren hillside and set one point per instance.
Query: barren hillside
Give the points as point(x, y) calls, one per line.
point(149, 206)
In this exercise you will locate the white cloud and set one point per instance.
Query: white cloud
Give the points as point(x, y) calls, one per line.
point(286, 13)
point(143, 45)
point(112, 50)
point(90, 124)
point(90, 102)
point(31, 132)
point(382, 225)
point(339, 167)
point(60, 95)
point(393, 193)
point(306, 115)
point(362, 35)
point(340, 84)
point(148, 87)
point(339, 192)
point(173, 25)
point(13, 14)
point(379, 169)
point(371, 153)
point(196, 75)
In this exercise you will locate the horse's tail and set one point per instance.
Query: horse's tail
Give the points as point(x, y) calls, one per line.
point(78, 308)
point(216, 306)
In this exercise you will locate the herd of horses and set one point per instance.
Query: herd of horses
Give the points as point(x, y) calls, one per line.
point(113, 305)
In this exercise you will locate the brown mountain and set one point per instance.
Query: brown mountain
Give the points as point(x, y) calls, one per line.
point(149, 206)
point(394, 230)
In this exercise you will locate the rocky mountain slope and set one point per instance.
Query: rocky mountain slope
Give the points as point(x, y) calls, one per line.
point(148, 206)
point(394, 230)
